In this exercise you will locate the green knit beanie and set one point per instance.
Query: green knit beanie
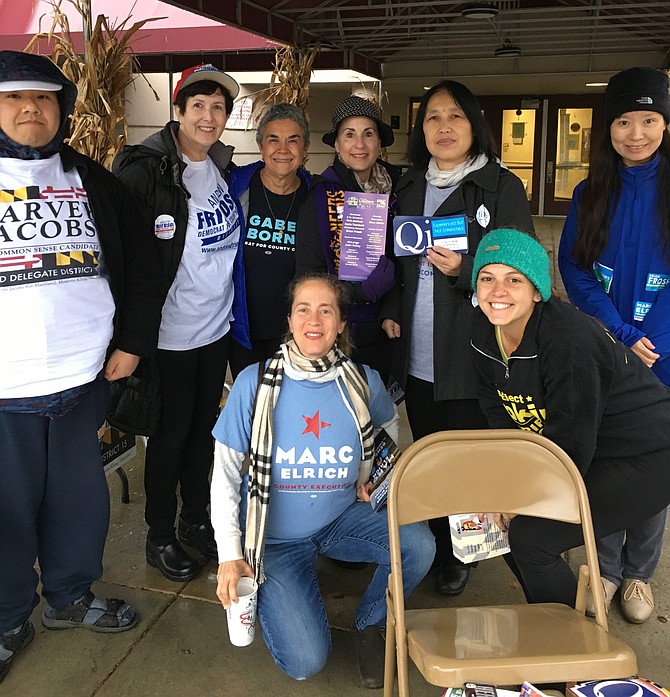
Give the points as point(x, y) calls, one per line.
point(518, 250)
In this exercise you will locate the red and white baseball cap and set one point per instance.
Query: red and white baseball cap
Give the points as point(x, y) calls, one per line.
point(198, 73)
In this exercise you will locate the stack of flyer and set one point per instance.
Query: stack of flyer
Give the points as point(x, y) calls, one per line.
point(630, 687)
point(475, 537)
point(626, 687)
point(479, 689)
point(384, 456)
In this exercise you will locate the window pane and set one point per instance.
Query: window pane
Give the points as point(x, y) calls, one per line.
point(518, 141)
point(573, 148)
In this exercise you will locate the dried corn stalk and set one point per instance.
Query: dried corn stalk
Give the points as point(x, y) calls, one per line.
point(98, 125)
point(290, 77)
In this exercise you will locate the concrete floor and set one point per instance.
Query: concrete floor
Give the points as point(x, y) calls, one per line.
point(180, 648)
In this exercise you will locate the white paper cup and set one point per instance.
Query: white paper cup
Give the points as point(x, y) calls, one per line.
point(241, 615)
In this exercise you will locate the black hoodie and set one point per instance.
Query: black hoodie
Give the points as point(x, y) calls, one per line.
point(571, 381)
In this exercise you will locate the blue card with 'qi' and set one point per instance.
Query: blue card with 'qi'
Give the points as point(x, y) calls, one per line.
point(413, 234)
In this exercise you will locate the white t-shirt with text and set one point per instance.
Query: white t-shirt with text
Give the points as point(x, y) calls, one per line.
point(56, 304)
point(198, 308)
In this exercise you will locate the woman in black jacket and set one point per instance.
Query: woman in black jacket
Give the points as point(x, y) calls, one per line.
point(455, 173)
point(357, 134)
point(180, 174)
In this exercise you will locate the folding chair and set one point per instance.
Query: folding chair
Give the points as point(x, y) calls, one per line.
point(495, 471)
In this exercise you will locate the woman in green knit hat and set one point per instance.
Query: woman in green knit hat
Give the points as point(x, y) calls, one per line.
point(546, 367)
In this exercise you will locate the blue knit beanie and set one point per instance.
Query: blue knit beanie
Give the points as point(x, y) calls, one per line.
point(518, 250)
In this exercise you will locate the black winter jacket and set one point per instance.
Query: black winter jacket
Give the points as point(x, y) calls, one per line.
point(491, 192)
point(128, 255)
point(153, 171)
point(572, 382)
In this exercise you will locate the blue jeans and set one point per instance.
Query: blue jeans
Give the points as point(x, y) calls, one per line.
point(290, 607)
point(633, 553)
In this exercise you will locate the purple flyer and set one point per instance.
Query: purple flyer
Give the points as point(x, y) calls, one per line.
point(363, 234)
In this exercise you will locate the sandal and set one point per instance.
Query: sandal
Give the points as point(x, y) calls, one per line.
point(12, 644)
point(107, 615)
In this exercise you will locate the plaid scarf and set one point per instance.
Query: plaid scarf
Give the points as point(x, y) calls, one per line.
point(288, 360)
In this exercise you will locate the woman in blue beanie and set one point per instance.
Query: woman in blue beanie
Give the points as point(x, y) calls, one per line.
point(546, 367)
point(614, 258)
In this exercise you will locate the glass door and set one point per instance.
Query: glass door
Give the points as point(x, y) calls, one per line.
point(573, 122)
point(516, 124)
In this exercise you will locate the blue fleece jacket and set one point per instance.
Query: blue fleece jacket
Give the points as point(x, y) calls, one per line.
point(628, 289)
point(240, 180)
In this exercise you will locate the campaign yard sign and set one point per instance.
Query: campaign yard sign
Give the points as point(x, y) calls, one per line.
point(363, 237)
point(414, 234)
point(116, 447)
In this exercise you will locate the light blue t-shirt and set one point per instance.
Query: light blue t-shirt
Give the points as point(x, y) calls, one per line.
point(316, 449)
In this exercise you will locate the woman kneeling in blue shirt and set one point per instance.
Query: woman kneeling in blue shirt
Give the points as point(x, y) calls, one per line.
point(308, 427)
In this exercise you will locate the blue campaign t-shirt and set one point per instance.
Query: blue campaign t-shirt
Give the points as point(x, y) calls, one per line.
point(316, 449)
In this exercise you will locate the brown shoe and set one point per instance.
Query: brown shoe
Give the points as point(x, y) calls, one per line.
point(637, 600)
point(609, 589)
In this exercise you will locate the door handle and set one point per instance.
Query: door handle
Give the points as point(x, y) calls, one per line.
point(550, 172)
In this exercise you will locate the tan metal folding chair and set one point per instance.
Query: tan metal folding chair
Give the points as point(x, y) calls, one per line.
point(507, 471)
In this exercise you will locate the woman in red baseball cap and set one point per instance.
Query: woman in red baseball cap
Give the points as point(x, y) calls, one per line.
point(180, 175)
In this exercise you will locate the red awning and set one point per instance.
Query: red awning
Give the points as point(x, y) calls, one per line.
point(179, 31)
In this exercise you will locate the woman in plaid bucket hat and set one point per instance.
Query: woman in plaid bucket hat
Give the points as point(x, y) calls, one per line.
point(358, 134)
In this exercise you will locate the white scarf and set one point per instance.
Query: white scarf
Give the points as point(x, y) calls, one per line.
point(450, 177)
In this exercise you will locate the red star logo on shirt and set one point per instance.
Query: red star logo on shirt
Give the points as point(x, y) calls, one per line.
point(314, 424)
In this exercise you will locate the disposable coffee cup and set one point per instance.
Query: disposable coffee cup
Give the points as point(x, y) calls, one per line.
point(241, 615)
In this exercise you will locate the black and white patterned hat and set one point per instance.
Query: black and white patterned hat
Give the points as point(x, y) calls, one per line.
point(358, 106)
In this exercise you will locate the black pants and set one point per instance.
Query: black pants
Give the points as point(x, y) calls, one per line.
point(428, 416)
point(372, 347)
point(622, 492)
point(241, 357)
point(181, 453)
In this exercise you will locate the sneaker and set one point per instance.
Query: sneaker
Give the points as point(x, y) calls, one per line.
point(108, 615)
point(370, 646)
point(609, 589)
point(11, 644)
point(637, 600)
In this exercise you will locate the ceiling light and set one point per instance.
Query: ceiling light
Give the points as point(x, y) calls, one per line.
point(479, 12)
point(507, 51)
point(596, 84)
